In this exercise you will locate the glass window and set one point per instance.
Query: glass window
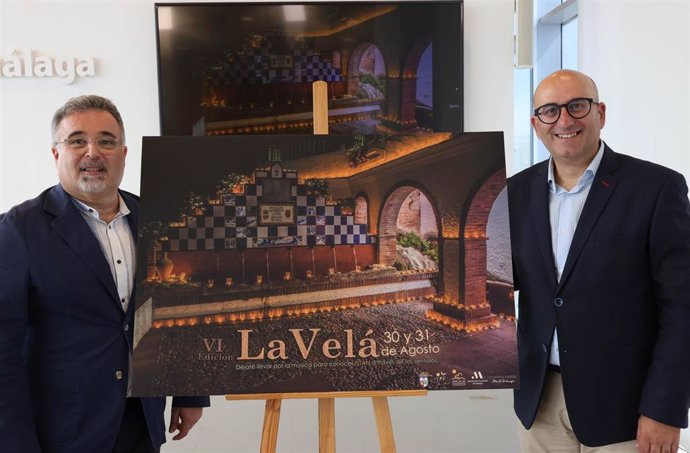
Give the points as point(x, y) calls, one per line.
point(555, 37)
point(569, 44)
point(522, 129)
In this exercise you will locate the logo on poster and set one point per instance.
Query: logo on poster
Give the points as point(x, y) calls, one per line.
point(424, 379)
point(441, 378)
point(458, 380)
point(477, 379)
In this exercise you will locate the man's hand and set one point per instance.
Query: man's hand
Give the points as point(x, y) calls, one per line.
point(183, 419)
point(655, 437)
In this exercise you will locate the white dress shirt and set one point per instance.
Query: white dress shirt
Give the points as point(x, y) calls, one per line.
point(117, 244)
point(565, 208)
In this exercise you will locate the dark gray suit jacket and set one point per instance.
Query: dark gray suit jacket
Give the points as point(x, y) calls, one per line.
point(622, 306)
point(63, 334)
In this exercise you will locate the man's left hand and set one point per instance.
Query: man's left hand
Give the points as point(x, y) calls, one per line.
point(655, 437)
point(183, 419)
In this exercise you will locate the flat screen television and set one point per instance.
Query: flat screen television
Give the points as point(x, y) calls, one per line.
point(248, 68)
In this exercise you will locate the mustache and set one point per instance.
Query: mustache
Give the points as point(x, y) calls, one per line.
point(92, 164)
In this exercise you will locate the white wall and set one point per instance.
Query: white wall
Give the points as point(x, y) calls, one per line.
point(638, 52)
point(121, 36)
point(488, 69)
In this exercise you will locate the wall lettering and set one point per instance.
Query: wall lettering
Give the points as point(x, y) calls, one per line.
point(23, 64)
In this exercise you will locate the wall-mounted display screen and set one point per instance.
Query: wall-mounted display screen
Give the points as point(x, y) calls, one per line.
point(248, 68)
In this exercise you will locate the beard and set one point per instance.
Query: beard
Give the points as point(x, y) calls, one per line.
point(92, 184)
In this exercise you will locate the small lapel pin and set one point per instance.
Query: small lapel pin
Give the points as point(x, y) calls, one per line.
point(604, 183)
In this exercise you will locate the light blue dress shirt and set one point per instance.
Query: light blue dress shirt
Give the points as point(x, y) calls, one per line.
point(565, 208)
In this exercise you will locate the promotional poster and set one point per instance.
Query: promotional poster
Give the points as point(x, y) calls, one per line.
point(273, 264)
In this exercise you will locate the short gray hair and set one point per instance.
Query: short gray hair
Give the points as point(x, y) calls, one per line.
point(84, 104)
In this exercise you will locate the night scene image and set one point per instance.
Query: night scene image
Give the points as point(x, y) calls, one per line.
point(271, 264)
point(233, 69)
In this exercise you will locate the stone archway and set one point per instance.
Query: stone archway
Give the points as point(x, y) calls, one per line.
point(361, 209)
point(388, 221)
point(354, 72)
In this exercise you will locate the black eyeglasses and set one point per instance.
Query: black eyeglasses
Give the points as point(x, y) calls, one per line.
point(577, 108)
point(81, 142)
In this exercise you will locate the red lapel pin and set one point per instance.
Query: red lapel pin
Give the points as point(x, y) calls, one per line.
point(604, 183)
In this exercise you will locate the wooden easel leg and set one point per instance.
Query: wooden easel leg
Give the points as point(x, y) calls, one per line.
point(383, 424)
point(269, 434)
point(326, 425)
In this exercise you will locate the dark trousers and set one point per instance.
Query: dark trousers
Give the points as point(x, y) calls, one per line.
point(133, 436)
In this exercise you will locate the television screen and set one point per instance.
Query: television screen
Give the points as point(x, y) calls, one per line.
point(247, 68)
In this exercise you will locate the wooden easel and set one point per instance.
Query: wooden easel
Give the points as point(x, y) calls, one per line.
point(384, 427)
point(269, 433)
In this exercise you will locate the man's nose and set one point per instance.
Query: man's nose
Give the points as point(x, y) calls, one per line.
point(92, 148)
point(564, 117)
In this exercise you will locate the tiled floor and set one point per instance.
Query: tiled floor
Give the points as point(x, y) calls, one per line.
point(441, 422)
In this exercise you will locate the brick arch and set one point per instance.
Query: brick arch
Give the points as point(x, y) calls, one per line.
point(388, 219)
point(474, 237)
point(337, 58)
point(362, 209)
point(353, 65)
point(409, 74)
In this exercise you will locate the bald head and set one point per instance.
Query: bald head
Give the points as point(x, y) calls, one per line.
point(567, 76)
point(572, 134)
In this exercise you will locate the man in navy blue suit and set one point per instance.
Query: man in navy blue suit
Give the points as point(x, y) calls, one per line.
point(601, 253)
point(67, 263)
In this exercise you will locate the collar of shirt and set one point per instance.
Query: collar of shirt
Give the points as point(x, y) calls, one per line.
point(586, 177)
point(93, 212)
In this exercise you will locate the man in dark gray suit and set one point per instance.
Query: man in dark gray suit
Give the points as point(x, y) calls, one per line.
point(67, 265)
point(601, 251)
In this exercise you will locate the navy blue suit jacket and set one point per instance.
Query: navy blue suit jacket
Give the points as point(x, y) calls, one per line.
point(64, 337)
point(624, 295)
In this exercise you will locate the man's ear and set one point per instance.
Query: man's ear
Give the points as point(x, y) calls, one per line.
point(56, 153)
point(602, 114)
